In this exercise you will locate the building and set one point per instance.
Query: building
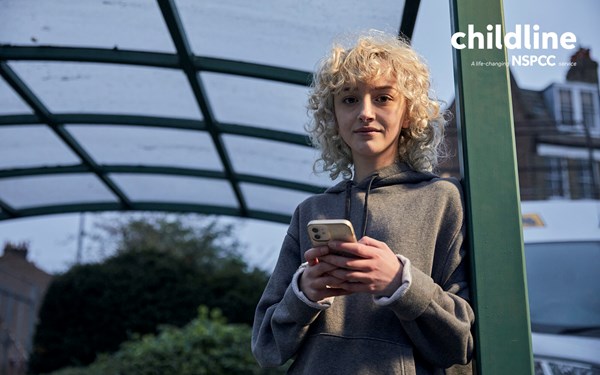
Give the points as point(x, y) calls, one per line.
point(22, 289)
point(557, 135)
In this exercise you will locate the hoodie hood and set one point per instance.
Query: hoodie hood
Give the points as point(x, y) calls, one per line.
point(397, 173)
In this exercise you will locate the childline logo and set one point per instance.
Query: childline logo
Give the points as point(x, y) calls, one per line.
point(523, 37)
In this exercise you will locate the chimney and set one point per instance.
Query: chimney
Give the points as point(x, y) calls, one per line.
point(584, 69)
point(19, 250)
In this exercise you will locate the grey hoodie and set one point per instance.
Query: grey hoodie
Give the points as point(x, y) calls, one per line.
point(421, 329)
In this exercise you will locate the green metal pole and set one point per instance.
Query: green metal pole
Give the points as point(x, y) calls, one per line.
point(489, 171)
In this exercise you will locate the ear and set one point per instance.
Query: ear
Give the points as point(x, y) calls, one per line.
point(405, 124)
point(405, 117)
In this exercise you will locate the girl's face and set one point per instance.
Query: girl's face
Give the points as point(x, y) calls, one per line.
point(370, 117)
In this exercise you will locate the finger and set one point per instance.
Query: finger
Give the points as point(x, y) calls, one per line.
point(356, 264)
point(319, 282)
point(314, 253)
point(327, 282)
point(319, 289)
point(331, 286)
point(350, 276)
point(331, 292)
point(319, 269)
point(368, 241)
point(352, 249)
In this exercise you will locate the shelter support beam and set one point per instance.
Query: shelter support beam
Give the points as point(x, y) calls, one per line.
point(154, 59)
point(6, 211)
point(45, 117)
point(159, 122)
point(409, 18)
point(185, 54)
point(157, 170)
point(489, 170)
point(152, 207)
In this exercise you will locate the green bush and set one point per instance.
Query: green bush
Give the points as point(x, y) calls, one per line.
point(207, 345)
point(161, 272)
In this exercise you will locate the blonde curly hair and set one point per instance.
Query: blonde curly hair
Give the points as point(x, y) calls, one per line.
point(375, 55)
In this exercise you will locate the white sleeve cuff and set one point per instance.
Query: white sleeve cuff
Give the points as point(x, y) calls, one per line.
point(406, 281)
point(321, 305)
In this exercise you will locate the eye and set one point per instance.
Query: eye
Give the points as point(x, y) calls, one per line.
point(349, 100)
point(384, 99)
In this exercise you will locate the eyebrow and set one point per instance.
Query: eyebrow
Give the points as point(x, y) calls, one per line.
point(385, 88)
point(388, 87)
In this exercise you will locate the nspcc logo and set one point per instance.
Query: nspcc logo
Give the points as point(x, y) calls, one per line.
point(524, 37)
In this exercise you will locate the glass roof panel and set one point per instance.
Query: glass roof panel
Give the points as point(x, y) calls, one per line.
point(271, 199)
point(46, 149)
point(257, 102)
point(176, 189)
point(11, 102)
point(274, 159)
point(109, 88)
point(131, 24)
point(138, 145)
point(433, 43)
point(23, 192)
point(286, 33)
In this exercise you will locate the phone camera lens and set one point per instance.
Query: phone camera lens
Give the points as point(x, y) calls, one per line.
point(315, 230)
point(317, 237)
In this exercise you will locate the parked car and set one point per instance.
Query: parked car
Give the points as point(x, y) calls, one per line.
point(562, 252)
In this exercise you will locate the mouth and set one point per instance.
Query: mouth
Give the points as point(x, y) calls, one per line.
point(367, 130)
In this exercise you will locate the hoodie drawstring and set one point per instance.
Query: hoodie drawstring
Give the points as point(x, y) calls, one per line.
point(365, 211)
point(366, 205)
point(348, 202)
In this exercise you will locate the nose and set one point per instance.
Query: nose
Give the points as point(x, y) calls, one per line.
point(366, 112)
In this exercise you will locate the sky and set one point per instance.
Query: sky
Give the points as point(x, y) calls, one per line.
point(53, 239)
point(577, 16)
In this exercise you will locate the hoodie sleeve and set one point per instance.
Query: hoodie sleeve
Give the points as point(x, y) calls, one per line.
point(435, 311)
point(438, 318)
point(282, 318)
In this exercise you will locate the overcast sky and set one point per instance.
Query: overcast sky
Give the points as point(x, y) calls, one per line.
point(53, 239)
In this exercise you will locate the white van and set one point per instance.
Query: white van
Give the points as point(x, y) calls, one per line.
point(562, 252)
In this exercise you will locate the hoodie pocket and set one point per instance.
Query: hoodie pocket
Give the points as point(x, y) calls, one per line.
point(330, 355)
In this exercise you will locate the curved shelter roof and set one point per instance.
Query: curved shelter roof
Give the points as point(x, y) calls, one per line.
point(172, 105)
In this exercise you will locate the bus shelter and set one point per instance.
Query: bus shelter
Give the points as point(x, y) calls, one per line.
point(180, 106)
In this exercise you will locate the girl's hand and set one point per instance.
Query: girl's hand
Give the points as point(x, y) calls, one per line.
point(372, 267)
point(316, 282)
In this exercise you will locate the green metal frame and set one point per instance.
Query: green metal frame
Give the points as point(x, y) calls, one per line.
point(489, 169)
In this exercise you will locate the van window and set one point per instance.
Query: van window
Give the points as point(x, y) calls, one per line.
point(563, 281)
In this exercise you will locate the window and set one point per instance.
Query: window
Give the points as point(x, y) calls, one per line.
point(566, 107)
point(554, 177)
point(557, 178)
point(587, 108)
point(574, 310)
point(584, 178)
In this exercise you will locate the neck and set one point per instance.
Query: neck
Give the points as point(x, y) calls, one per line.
point(363, 170)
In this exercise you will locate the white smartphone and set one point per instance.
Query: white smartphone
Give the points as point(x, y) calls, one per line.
point(323, 231)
